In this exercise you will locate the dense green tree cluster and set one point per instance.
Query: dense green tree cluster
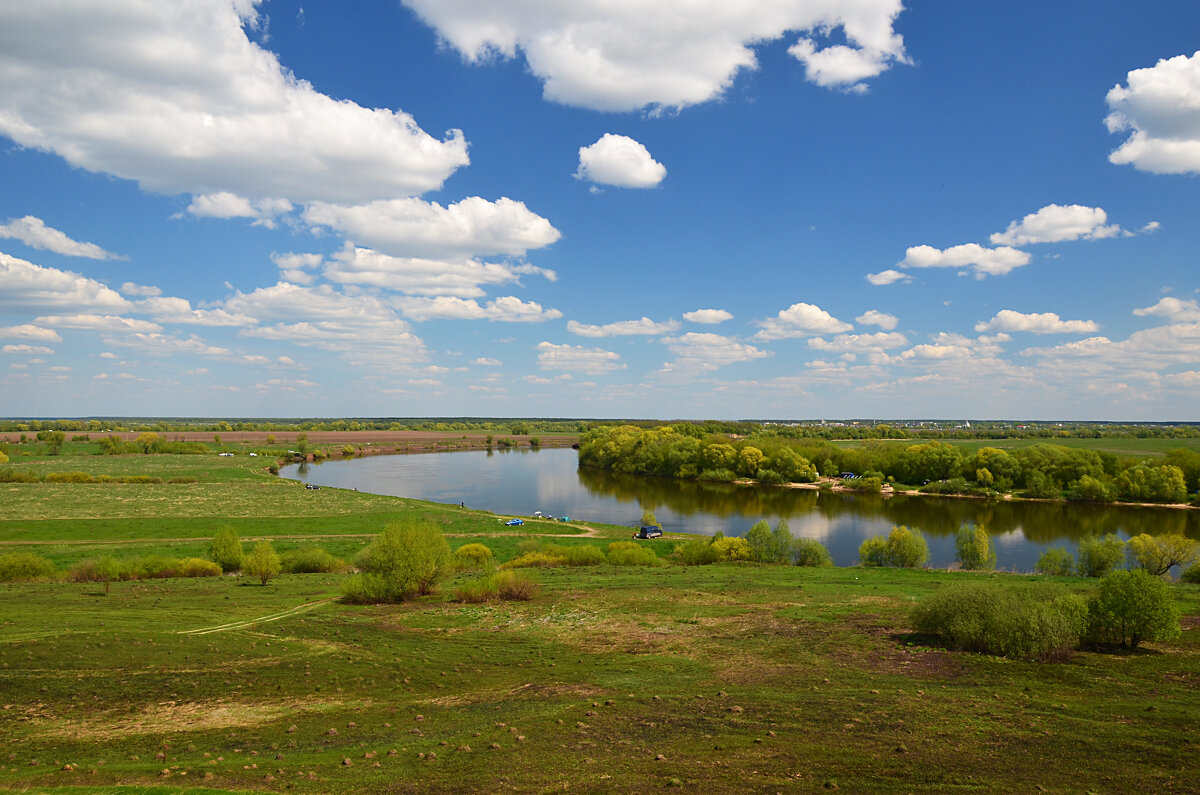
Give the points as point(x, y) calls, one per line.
point(1043, 470)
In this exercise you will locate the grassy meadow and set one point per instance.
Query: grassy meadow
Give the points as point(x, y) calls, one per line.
point(722, 678)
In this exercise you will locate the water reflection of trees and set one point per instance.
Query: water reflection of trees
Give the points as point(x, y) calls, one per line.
point(1039, 522)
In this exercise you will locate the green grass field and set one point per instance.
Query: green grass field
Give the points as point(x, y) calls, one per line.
point(726, 678)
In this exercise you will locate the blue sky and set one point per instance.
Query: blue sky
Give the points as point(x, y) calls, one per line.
point(797, 208)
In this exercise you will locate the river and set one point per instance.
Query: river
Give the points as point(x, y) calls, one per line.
point(520, 482)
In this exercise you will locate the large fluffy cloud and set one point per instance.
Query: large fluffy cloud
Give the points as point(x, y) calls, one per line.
point(177, 97)
point(621, 161)
point(420, 276)
point(416, 228)
point(702, 351)
point(1160, 109)
point(982, 261)
point(33, 232)
point(1054, 223)
point(1008, 320)
point(800, 320)
point(1175, 310)
point(625, 55)
point(28, 287)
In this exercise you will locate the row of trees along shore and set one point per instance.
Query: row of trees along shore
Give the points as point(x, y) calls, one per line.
point(1040, 471)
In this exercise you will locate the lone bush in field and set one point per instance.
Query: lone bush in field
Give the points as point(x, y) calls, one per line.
point(628, 553)
point(1157, 554)
point(1055, 561)
point(262, 562)
point(25, 567)
point(310, 560)
point(226, 550)
point(473, 556)
point(1040, 622)
point(197, 567)
point(1099, 556)
point(406, 560)
point(810, 552)
point(873, 552)
point(696, 552)
point(973, 548)
point(506, 585)
point(732, 548)
point(1132, 606)
point(106, 570)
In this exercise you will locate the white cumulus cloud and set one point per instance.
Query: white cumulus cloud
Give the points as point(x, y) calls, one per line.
point(460, 277)
point(702, 352)
point(1008, 320)
point(28, 331)
point(707, 317)
point(625, 55)
point(621, 161)
point(800, 320)
point(623, 328)
point(33, 232)
point(28, 350)
point(874, 317)
point(1175, 310)
point(982, 261)
point(506, 309)
point(576, 358)
point(1160, 109)
point(99, 323)
point(25, 287)
point(1055, 223)
point(889, 276)
point(176, 97)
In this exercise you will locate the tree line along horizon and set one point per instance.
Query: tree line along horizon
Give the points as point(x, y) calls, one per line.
point(1039, 471)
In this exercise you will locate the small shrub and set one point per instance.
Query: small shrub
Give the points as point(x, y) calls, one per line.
point(262, 562)
point(628, 553)
point(473, 556)
point(25, 567)
point(197, 567)
point(873, 552)
point(1055, 561)
point(535, 560)
point(973, 548)
point(310, 560)
point(907, 548)
point(154, 567)
point(527, 546)
point(226, 550)
point(697, 552)
point(515, 586)
point(106, 570)
point(1098, 556)
point(810, 552)
point(13, 475)
point(68, 477)
point(1041, 622)
point(483, 589)
point(581, 555)
point(182, 479)
point(1132, 606)
point(1191, 574)
point(769, 477)
point(717, 475)
point(732, 548)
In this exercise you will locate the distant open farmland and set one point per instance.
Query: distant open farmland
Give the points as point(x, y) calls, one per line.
point(318, 438)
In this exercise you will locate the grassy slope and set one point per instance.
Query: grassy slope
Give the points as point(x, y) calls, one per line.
point(744, 678)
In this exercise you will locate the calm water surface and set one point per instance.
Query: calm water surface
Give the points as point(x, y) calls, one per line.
point(521, 482)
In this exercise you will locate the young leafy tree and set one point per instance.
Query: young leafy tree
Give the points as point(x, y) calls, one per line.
point(407, 559)
point(810, 552)
point(650, 520)
point(1133, 606)
point(873, 552)
point(107, 570)
point(762, 543)
point(1099, 556)
point(226, 550)
point(1157, 554)
point(262, 562)
point(1055, 561)
point(906, 548)
point(973, 548)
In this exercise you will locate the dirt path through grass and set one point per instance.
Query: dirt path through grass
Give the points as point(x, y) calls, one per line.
point(250, 622)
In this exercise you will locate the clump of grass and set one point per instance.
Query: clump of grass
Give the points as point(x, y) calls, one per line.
point(14, 475)
point(311, 560)
point(68, 477)
point(535, 560)
point(26, 567)
point(628, 553)
point(506, 585)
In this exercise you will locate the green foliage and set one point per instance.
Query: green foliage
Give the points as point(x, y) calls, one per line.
point(3, 457)
point(25, 567)
point(106, 569)
point(1191, 574)
point(1055, 561)
point(1152, 483)
point(973, 548)
point(629, 553)
point(696, 552)
point(262, 563)
point(907, 548)
point(873, 552)
point(1157, 554)
point(473, 556)
point(1090, 489)
point(14, 475)
point(407, 559)
point(507, 585)
point(732, 549)
point(650, 520)
point(1132, 606)
point(310, 560)
point(225, 550)
point(196, 567)
point(579, 554)
point(535, 559)
point(810, 552)
point(1039, 622)
point(1098, 556)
